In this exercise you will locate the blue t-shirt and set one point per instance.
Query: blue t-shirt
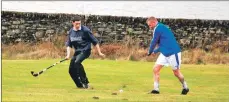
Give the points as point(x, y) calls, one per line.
point(81, 39)
point(165, 39)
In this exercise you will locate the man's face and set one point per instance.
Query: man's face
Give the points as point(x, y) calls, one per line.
point(76, 24)
point(151, 24)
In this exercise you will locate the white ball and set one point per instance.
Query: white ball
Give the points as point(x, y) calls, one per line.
point(121, 91)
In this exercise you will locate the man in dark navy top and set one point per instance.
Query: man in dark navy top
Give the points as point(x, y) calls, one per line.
point(80, 38)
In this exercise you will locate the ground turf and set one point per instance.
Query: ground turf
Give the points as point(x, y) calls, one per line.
point(208, 83)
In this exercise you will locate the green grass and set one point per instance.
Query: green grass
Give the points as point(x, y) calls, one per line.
point(208, 83)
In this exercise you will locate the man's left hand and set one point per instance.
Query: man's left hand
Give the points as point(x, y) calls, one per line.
point(102, 55)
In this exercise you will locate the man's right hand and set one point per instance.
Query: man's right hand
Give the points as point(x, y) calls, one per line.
point(148, 54)
point(67, 57)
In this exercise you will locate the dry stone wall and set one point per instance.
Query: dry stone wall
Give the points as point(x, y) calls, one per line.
point(35, 27)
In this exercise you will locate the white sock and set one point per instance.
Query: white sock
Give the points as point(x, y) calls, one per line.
point(184, 84)
point(156, 86)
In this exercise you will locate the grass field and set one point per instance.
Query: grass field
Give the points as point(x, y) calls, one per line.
point(208, 83)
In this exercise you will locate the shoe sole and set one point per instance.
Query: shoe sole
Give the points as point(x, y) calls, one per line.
point(185, 93)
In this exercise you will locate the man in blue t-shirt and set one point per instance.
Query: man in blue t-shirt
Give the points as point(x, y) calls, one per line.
point(170, 53)
point(80, 38)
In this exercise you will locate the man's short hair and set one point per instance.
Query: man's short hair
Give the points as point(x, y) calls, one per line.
point(151, 19)
point(76, 18)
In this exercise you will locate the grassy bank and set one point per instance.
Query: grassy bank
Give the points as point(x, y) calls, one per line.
point(57, 49)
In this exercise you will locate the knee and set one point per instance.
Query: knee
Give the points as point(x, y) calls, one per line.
point(77, 62)
point(176, 73)
point(156, 70)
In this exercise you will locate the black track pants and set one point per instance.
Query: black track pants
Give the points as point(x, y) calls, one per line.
point(76, 69)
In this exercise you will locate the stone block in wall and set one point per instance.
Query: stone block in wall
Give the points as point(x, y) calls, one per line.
point(108, 30)
point(62, 31)
point(130, 30)
point(207, 35)
point(18, 40)
point(24, 34)
point(145, 32)
point(104, 25)
point(4, 28)
point(206, 31)
point(66, 27)
point(33, 28)
point(184, 34)
point(30, 22)
point(119, 25)
point(189, 29)
point(199, 44)
point(138, 29)
point(45, 39)
point(119, 29)
point(35, 25)
point(185, 41)
point(44, 22)
point(69, 24)
point(41, 28)
point(27, 25)
point(137, 32)
point(197, 38)
point(10, 33)
point(219, 31)
point(16, 22)
point(123, 27)
point(40, 34)
point(17, 31)
point(124, 33)
point(27, 28)
point(22, 27)
point(22, 21)
point(212, 32)
point(140, 36)
point(101, 29)
point(113, 33)
point(195, 28)
point(6, 23)
point(31, 31)
point(14, 26)
point(50, 31)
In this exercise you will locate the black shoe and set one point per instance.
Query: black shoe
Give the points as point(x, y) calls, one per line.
point(185, 91)
point(79, 86)
point(155, 92)
point(86, 86)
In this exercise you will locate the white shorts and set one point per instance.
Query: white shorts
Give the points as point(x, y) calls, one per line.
point(173, 60)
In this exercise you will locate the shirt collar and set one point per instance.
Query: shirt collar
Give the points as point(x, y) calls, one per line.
point(78, 29)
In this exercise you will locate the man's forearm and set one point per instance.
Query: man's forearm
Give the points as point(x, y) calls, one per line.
point(98, 48)
point(68, 51)
point(153, 43)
